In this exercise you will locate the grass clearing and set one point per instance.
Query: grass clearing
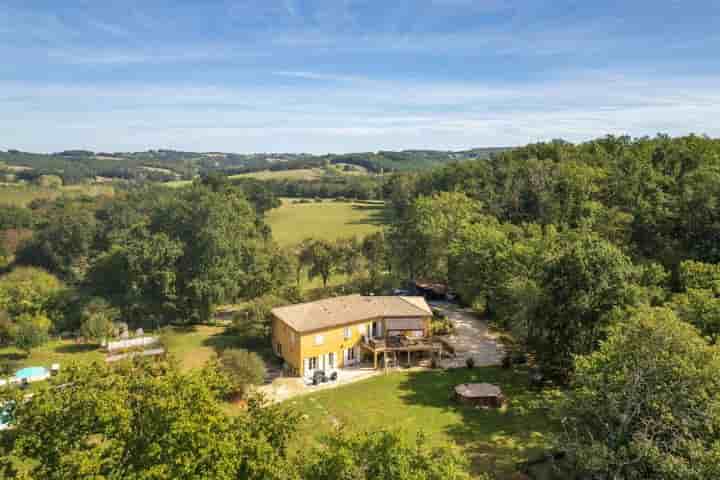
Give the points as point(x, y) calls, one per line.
point(55, 351)
point(21, 195)
point(177, 183)
point(192, 346)
point(413, 401)
point(299, 174)
point(293, 222)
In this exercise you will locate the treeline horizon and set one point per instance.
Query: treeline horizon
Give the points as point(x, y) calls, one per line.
point(77, 166)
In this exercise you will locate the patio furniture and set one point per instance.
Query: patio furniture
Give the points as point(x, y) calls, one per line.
point(319, 377)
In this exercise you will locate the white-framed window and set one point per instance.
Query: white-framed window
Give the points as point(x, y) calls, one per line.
point(347, 332)
point(351, 354)
point(331, 360)
point(312, 363)
point(319, 339)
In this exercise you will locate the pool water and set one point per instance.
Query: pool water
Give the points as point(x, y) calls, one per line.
point(5, 415)
point(31, 372)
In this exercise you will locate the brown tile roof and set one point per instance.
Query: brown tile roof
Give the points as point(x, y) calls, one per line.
point(332, 312)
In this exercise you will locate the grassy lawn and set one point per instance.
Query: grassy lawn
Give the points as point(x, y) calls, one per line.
point(22, 195)
point(299, 174)
point(495, 440)
point(177, 183)
point(56, 351)
point(293, 222)
point(191, 346)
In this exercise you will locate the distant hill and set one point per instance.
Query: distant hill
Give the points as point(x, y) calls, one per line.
point(76, 166)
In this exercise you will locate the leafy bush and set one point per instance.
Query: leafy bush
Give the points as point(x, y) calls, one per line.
point(30, 331)
point(441, 327)
point(98, 318)
point(470, 362)
point(243, 368)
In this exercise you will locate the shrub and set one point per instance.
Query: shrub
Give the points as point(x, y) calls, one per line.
point(30, 331)
point(507, 361)
point(98, 319)
point(470, 362)
point(243, 368)
point(441, 327)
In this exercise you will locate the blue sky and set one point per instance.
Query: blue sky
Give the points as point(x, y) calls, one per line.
point(350, 75)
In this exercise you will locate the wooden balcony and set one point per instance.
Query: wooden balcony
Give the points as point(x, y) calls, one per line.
point(390, 346)
point(401, 344)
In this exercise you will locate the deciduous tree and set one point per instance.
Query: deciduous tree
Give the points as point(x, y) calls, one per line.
point(645, 404)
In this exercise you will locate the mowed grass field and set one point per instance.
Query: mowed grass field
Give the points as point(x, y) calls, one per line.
point(191, 346)
point(414, 401)
point(305, 173)
point(21, 195)
point(293, 222)
point(299, 174)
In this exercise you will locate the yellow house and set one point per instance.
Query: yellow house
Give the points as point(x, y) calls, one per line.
point(333, 333)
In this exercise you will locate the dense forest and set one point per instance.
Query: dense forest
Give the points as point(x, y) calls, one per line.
point(523, 234)
point(598, 261)
point(601, 260)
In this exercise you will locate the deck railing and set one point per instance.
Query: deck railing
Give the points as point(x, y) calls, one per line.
point(401, 344)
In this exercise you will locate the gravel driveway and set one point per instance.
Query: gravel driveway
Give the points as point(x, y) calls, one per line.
point(472, 338)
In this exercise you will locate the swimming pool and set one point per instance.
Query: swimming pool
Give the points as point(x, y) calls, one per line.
point(6, 415)
point(32, 373)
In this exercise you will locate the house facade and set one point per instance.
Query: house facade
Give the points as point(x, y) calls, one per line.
point(335, 333)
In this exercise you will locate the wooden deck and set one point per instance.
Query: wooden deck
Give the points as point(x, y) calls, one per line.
point(383, 345)
point(389, 347)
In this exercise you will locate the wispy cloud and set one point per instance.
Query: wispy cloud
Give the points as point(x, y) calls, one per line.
point(142, 55)
point(110, 28)
point(321, 76)
point(341, 75)
point(341, 118)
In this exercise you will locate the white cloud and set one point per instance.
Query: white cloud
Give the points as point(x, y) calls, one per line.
point(355, 115)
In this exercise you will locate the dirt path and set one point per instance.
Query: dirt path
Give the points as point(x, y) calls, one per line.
point(471, 339)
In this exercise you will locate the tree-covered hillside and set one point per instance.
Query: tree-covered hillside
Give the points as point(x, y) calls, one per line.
point(75, 166)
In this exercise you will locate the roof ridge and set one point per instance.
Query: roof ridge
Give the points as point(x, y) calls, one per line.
point(349, 309)
point(405, 299)
point(318, 301)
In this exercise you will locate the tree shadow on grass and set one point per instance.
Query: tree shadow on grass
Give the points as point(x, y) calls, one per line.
point(377, 214)
point(12, 357)
point(76, 348)
point(184, 328)
point(495, 440)
point(242, 337)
